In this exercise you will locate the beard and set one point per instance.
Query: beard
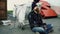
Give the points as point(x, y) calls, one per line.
point(37, 10)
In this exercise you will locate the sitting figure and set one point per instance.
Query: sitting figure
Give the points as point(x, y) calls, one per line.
point(36, 23)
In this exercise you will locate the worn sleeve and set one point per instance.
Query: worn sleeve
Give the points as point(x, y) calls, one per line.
point(31, 21)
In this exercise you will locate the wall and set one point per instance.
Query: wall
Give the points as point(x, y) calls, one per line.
point(54, 3)
point(57, 9)
point(11, 3)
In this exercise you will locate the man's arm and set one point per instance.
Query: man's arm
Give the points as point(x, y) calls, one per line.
point(31, 21)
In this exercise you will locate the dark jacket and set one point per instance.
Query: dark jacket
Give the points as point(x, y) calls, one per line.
point(35, 20)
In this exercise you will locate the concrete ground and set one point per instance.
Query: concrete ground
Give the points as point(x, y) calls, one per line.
point(13, 29)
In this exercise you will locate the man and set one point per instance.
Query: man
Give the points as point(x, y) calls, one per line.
point(36, 23)
point(35, 20)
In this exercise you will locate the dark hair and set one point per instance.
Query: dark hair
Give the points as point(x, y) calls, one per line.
point(36, 1)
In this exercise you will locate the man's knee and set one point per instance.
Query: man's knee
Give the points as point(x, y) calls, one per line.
point(49, 26)
point(38, 29)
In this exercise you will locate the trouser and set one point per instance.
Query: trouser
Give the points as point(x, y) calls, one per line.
point(49, 27)
point(38, 29)
point(41, 29)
